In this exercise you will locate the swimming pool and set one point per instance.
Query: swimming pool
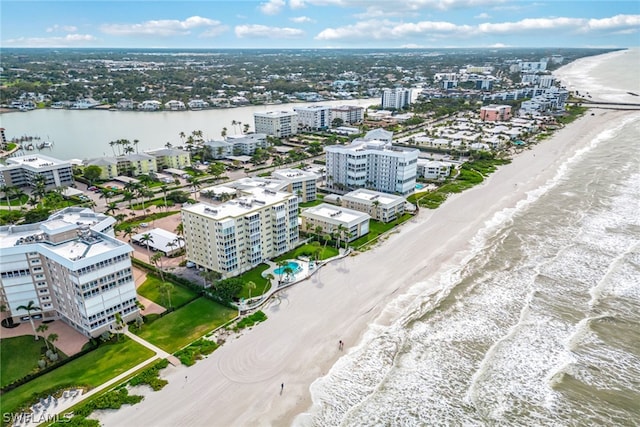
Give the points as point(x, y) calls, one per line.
point(419, 186)
point(294, 266)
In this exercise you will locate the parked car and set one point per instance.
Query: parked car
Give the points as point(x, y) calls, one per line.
point(92, 188)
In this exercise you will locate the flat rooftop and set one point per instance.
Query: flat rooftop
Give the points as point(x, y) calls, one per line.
point(292, 174)
point(35, 161)
point(335, 213)
point(372, 196)
point(256, 199)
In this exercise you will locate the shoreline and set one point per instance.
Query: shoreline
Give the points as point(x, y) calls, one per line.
point(239, 383)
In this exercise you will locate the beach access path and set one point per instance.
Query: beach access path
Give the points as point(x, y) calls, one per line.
point(240, 383)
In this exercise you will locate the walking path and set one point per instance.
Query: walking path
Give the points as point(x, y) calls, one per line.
point(51, 408)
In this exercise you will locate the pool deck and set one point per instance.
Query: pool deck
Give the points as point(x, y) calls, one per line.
point(280, 282)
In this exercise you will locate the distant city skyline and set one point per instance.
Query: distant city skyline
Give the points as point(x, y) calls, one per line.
point(220, 24)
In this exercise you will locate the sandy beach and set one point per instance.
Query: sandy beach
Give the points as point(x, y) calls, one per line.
point(240, 383)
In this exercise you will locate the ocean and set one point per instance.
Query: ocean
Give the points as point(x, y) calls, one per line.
point(540, 325)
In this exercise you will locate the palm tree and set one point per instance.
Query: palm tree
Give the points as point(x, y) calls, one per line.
point(119, 324)
point(31, 306)
point(146, 239)
point(111, 208)
point(7, 191)
point(166, 288)
point(269, 278)
point(251, 285)
point(43, 328)
point(224, 132)
point(53, 338)
point(156, 259)
point(195, 184)
point(164, 193)
point(282, 265)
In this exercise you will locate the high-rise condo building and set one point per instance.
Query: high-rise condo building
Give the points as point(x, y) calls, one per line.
point(396, 99)
point(280, 124)
point(376, 165)
point(239, 234)
point(72, 267)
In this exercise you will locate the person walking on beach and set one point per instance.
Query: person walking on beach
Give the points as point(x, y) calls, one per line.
point(281, 388)
point(340, 345)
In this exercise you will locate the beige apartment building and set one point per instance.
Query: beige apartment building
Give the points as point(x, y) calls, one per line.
point(239, 234)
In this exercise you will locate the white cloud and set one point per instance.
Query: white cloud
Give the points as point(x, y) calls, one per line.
point(67, 41)
point(615, 22)
point(385, 29)
point(301, 19)
point(296, 4)
point(498, 46)
point(257, 31)
point(64, 28)
point(272, 7)
point(530, 24)
point(161, 28)
point(482, 15)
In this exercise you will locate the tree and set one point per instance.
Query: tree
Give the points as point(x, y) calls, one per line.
point(251, 285)
point(41, 329)
point(246, 128)
point(223, 133)
point(31, 306)
point(194, 182)
point(281, 267)
point(166, 288)
point(156, 259)
point(112, 207)
point(119, 324)
point(228, 289)
point(337, 122)
point(147, 239)
point(92, 173)
point(53, 338)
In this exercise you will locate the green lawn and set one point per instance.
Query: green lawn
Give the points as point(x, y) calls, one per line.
point(19, 357)
point(151, 289)
point(307, 250)
point(254, 275)
point(90, 370)
point(376, 228)
point(187, 324)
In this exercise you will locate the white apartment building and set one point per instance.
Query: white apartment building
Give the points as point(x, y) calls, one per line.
point(22, 171)
point(237, 235)
point(433, 169)
point(349, 114)
point(219, 149)
point(396, 99)
point(373, 164)
point(379, 206)
point(341, 222)
point(248, 143)
point(72, 267)
point(313, 117)
point(280, 124)
point(298, 182)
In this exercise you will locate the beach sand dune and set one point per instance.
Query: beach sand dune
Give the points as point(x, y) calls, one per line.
point(240, 383)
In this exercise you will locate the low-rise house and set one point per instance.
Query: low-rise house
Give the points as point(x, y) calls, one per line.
point(343, 223)
point(170, 158)
point(433, 169)
point(149, 105)
point(197, 104)
point(174, 105)
point(107, 165)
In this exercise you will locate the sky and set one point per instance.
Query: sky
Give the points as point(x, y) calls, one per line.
point(228, 24)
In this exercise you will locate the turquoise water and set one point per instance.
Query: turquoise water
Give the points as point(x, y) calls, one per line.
point(419, 186)
point(294, 266)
